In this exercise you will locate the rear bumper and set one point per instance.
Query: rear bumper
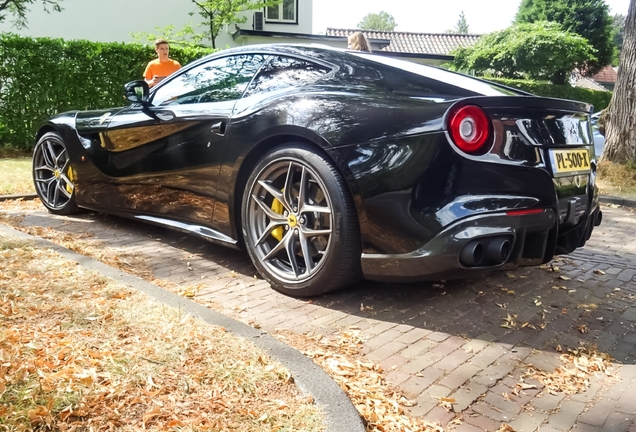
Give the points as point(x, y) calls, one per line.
point(533, 239)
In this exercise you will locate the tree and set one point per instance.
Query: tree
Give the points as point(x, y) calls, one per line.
point(539, 50)
point(381, 21)
point(186, 37)
point(618, 30)
point(462, 25)
point(588, 18)
point(19, 8)
point(218, 13)
point(620, 144)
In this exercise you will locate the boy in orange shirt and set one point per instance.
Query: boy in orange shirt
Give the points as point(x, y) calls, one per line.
point(161, 67)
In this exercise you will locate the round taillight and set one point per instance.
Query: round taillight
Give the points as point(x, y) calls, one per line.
point(469, 127)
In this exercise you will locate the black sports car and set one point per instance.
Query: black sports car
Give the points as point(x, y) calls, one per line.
point(327, 165)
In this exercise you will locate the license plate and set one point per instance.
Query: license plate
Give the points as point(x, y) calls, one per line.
point(570, 161)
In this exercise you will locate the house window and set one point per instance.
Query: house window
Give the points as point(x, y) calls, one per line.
point(284, 12)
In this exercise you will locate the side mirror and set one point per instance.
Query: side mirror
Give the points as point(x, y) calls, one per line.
point(137, 91)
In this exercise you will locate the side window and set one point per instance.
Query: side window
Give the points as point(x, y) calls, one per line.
point(283, 72)
point(218, 80)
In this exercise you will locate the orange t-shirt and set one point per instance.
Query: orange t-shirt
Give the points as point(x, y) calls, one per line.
point(158, 68)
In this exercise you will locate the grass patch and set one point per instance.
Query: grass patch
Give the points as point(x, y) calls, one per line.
point(16, 173)
point(80, 351)
point(617, 179)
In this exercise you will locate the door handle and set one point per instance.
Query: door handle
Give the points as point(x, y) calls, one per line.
point(219, 128)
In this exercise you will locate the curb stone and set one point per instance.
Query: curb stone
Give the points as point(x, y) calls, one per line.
point(617, 200)
point(17, 196)
point(340, 413)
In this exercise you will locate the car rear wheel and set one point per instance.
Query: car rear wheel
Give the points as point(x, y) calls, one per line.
point(53, 175)
point(299, 223)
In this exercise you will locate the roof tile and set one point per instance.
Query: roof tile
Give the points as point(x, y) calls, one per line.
point(418, 43)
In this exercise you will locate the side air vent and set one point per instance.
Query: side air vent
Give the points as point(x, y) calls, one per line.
point(258, 21)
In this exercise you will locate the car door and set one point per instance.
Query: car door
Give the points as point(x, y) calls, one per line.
point(166, 158)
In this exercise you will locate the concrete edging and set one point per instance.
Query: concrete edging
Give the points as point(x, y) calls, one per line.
point(340, 413)
point(17, 196)
point(617, 200)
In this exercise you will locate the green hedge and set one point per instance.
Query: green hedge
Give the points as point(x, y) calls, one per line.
point(40, 77)
point(600, 99)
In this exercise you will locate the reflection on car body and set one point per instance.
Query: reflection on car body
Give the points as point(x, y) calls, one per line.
point(329, 165)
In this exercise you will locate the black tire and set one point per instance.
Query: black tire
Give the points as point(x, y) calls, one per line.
point(53, 175)
point(303, 248)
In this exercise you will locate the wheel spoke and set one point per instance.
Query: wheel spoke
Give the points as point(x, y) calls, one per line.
point(271, 214)
point(315, 233)
point(289, 181)
point(49, 154)
point(56, 193)
point(304, 247)
point(302, 190)
point(291, 254)
point(45, 168)
point(62, 189)
point(58, 157)
point(310, 208)
point(279, 247)
point(275, 193)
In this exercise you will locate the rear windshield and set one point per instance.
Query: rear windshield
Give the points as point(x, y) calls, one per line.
point(465, 82)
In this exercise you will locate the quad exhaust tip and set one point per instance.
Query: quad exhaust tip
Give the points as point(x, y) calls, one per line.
point(486, 252)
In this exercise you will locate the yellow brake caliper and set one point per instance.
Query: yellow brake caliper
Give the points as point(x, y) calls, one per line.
point(71, 177)
point(277, 207)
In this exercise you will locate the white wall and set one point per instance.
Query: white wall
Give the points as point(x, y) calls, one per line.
point(115, 20)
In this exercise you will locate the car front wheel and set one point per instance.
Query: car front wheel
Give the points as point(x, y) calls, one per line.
point(299, 223)
point(53, 175)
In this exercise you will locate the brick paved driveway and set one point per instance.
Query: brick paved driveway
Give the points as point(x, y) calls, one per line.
point(439, 339)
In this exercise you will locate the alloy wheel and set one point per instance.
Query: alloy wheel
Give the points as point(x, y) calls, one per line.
point(290, 220)
point(52, 173)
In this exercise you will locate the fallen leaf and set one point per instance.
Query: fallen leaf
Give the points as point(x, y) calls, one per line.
point(599, 272)
point(564, 277)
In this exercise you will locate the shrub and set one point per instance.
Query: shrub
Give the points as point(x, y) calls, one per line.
point(40, 77)
point(600, 99)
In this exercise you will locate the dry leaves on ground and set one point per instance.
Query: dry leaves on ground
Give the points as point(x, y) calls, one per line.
point(81, 352)
point(381, 406)
point(574, 375)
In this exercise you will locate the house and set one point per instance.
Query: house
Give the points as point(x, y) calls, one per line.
point(606, 77)
point(117, 20)
point(288, 22)
point(428, 48)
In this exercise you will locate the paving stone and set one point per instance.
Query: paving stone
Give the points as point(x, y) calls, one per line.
point(547, 402)
point(459, 376)
point(440, 415)
point(625, 403)
point(413, 335)
point(504, 405)
point(544, 361)
point(467, 394)
point(385, 351)
point(487, 356)
point(617, 422)
point(475, 345)
point(493, 373)
point(393, 362)
point(453, 360)
point(482, 422)
point(467, 427)
point(417, 384)
point(383, 339)
point(597, 413)
point(595, 385)
point(582, 427)
point(488, 411)
point(438, 336)
point(528, 421)
point(566, 416)
point(396, 377)
point(418, 348)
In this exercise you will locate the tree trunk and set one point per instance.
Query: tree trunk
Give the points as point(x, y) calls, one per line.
point(620, 145)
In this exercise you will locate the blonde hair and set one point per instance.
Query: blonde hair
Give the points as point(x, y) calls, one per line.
point(160, 42)
point(357, 41)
